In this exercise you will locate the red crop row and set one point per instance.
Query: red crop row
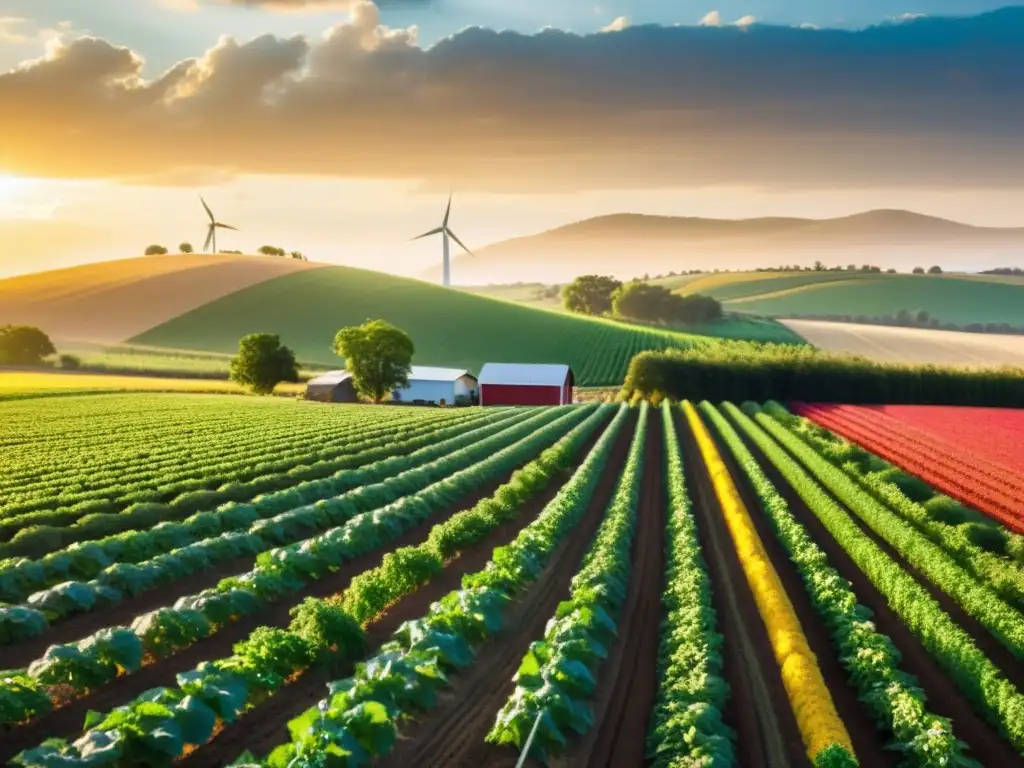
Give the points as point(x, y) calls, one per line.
point(995, 434)
point(957, 472)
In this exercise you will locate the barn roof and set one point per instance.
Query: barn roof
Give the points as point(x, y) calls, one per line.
point(429, 373)
point(524, 374)
point(329, 379)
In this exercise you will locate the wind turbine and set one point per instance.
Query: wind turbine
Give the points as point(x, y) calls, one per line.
point(445, 233)
point(211, 232)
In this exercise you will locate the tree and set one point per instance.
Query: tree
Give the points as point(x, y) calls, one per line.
point(298, 256)
point(185, 248)
point(936, 270)
point(24, 345)
point(263, 362)
point(378, 355)
point(654, 303)
point(922, 317)
point(271, 250)
point(590, 294)
point(918, 270)
point(155, 250)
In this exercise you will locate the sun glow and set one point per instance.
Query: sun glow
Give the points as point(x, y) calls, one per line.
point(11, 188)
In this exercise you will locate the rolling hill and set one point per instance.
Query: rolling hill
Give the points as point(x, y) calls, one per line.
point(958, 299)
point(629, 245)
point(202, 305)
point(112, 301)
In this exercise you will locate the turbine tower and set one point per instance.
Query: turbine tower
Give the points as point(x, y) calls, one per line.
point(211, 231)
point(445, 233)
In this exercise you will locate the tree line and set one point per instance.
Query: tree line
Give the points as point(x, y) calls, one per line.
point(264, 250)
point(906, 318)
point(742, 371)
point(601, 295)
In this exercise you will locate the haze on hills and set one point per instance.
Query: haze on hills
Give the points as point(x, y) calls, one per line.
point(629, 245)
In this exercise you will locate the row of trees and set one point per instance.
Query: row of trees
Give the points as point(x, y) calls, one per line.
point(377, 354)
point(603, 295)
point(266, 250)
point(906, 318)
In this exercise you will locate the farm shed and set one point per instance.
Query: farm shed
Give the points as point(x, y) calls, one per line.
point(437, 385)
point(525, 384)
point(332, 387)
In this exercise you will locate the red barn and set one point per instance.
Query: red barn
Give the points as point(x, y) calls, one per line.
point(525, 384)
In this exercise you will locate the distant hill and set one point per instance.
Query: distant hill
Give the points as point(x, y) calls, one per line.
point(629, 245)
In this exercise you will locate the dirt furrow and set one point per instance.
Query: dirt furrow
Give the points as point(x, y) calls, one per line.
point(767, 735)
point(452, 734)
point(266, 726)
point(944, 698)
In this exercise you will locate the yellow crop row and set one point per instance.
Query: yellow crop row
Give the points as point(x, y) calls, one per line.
point(816, 716)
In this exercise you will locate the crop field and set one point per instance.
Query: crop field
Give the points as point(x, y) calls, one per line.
point(210, 580)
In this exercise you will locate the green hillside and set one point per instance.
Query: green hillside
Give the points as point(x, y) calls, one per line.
point(449, 328)
point(959, 299)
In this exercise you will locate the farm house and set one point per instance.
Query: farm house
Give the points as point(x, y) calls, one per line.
point(438, 386)
point(525, 384)
point(332, 387)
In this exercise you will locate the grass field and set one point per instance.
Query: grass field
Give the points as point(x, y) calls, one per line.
point(196, 571)
point(27, 384)
point(949, 298)
point(449, 328)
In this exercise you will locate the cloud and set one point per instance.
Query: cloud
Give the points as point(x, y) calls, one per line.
point(617, 25)
point(712, 19)
point(305, 6)
point(9, 26)
point(931, 102)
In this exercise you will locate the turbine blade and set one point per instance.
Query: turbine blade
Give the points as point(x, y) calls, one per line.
point(437, 231)
point(225, 226)
point(209, 238)
point(208, 211)
point(448, 210)
point(454, 237)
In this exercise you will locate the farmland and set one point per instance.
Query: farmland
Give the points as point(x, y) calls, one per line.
point(952, 298)
point(200, 579)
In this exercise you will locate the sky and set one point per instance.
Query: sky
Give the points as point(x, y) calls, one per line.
point(338, 128)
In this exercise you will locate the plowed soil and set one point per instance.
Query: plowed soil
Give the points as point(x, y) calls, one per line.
point(67, 721)
point(759, 711)
point(944, 698)
point(266, 726)
point(452, 735)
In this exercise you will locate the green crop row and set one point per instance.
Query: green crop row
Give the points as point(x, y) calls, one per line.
point(79, 667)
point(360, 718)
point(201, 459)
point(686, 723)
point(989, 692)
point(557, 676)
point(979, 547)
point(92, 520)
point(20, 578)
point(1004, 621)
point(158, 726)
point(892, 697)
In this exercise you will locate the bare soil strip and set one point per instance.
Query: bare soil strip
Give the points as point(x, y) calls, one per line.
point(67, 721)
point(452, 734)
point(944, 698)
point(767, 735)
point(628, 679)
point(868, 742)
point(266, 726)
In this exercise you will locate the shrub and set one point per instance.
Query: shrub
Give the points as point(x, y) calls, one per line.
point(70, 362)
point(155, 250)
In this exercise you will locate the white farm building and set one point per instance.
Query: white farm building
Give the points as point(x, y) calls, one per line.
point(440, 386)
